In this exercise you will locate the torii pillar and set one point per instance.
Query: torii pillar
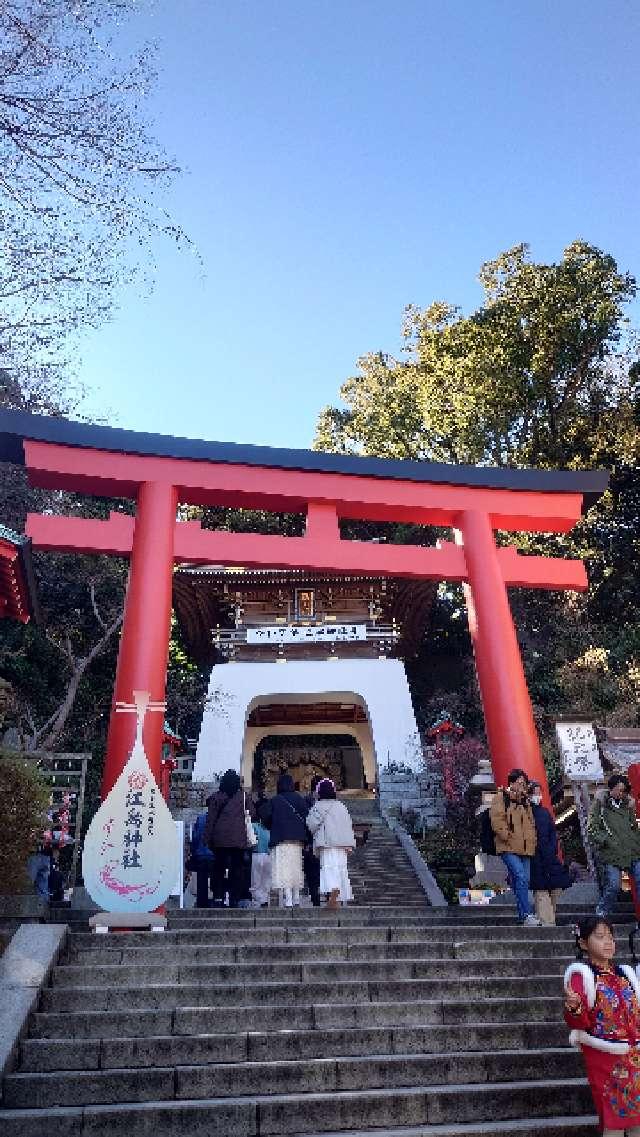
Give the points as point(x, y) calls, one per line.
point(146, 630)
point(511, 730)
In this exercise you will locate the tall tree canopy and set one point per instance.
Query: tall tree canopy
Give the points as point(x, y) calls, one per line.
point(544, 373)
point(531, 377)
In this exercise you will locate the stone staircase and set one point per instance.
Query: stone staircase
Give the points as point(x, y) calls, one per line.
point(379, 870)
point(398, 1021)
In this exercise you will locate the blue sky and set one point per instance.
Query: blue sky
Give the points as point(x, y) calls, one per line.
point(343, 158)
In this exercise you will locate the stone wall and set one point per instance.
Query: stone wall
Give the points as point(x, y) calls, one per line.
point(420, 792)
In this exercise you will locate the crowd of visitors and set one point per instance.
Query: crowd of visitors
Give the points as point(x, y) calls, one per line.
point(43, 866)
point(525, 837)
point(243, 850)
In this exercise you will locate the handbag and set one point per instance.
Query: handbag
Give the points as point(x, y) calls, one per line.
point(294, 810)
point(252, 839)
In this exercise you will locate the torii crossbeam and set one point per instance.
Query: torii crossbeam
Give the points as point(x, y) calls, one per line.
point(160, 472)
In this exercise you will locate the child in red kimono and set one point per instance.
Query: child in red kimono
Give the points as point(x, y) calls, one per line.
point(602, 1007)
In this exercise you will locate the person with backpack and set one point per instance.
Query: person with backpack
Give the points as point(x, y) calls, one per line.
point(614, 834)
point(515, 839)
point(225, 833)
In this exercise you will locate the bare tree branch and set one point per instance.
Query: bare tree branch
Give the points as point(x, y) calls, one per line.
point(77, 170)
point(92, 594)
point(49, 733)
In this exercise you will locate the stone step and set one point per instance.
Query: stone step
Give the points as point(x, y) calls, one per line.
point(196, 1018)
point(59, 1052)
point(201, 919)
point(310, 1113)
point(167, 994)
point(248, 1079)
point(499, 918)
point(205, 1019)
point(484, 914)
point(310, 971)
point(294, 954)
point(325, 934)
point(546, 1126)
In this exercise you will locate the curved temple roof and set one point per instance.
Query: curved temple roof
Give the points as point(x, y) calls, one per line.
point(16, 426)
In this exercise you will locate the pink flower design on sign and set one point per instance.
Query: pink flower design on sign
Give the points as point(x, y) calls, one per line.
point(137, 890)
point(137, 780)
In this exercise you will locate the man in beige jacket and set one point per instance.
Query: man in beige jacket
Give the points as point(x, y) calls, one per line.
point(514, 831)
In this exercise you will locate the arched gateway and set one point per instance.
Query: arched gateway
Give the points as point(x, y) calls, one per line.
point(386, 731)
point(159, 472)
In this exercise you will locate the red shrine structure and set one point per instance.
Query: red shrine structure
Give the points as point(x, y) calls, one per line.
point(18, 594)
point(160, 472)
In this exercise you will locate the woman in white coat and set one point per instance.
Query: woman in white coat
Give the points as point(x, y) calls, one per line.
point(329, 823)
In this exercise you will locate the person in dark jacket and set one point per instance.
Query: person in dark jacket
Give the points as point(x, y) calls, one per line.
point(285, 818)
point(201, 860)
point(549, 876)
point(311, 863)
point(614, 833)
point(226, 835)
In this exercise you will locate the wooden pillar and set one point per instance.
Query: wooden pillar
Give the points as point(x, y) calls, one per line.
point(144, 643)
point(511, 731)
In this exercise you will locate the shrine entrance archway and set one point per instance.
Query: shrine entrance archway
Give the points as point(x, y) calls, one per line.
point(326, 751)
point(385, 728)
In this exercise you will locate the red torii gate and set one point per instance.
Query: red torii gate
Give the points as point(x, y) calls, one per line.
point(159, 472)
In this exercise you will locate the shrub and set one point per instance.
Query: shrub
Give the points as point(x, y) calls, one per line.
point(24, 798)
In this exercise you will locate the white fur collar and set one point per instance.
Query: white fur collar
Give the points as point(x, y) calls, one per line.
point(588, 981)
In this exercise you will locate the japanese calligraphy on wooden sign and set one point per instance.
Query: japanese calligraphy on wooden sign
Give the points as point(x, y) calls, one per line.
point(579, 751)
point(130, 851)
point(313, 633)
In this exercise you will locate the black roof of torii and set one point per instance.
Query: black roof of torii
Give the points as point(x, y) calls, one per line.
point(15, 426)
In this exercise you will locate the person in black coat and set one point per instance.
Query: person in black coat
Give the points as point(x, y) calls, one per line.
point(311, 863)
point(284, 817)
point(225, 833)
point(549, 876)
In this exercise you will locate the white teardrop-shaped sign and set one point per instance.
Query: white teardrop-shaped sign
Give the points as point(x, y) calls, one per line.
point(130, 857)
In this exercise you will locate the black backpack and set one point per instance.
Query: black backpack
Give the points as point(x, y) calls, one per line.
point(487, 836)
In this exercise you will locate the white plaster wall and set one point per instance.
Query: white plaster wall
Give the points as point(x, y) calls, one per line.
point(379, 685)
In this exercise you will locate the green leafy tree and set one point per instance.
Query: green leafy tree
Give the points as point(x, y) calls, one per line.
point(531, 377)
point(544, 373)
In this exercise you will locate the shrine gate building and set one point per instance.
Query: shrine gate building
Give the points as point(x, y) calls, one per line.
point(340, 690)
